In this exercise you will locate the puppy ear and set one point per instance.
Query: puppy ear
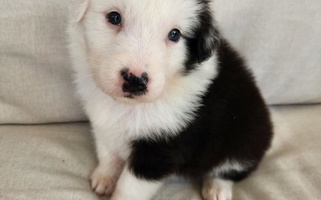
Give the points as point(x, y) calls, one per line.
point(207, 37)
point(205, 40)
point(79, 9)
point(208, 40)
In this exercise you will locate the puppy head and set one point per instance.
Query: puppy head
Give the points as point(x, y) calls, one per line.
point(136, 48)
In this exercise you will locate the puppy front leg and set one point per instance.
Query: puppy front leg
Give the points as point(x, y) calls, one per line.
point(130, 187)
point(217, 189)
point(105, 176)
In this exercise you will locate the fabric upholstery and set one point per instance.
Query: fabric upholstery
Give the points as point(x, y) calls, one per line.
point(46, 162)
point(281, 42)
point(35, 73)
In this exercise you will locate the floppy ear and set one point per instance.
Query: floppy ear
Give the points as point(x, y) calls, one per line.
point(207, 42)
point(79, 9)
point(204, 41)
point(207, 37)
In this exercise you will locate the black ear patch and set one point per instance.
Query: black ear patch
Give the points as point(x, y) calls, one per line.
point(204, 42)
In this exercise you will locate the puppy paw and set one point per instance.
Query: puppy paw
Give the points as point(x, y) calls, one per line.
point(217, 189)
point(103, 183)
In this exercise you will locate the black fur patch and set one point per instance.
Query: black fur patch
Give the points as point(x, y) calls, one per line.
point(233, 123)
point(202, 45)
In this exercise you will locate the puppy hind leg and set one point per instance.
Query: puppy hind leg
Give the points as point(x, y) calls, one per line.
point(218, 184)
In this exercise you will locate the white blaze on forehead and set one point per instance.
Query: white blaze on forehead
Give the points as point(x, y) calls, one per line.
point(156, 15)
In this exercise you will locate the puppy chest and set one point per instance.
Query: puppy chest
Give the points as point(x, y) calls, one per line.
point(154, 121)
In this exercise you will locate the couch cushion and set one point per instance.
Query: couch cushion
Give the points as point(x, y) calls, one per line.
point(280, 39)
point(35, 74)
point(46, 162)
point(53, 162)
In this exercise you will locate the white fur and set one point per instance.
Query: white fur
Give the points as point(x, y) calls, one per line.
point(99, 51)
point(217, 189)
point(81, 8)
point(130, 187)
point(229, 165)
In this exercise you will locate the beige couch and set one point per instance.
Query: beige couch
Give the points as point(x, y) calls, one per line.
point(46, 149)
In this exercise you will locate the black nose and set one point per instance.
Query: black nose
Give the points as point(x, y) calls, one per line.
point(135, 85)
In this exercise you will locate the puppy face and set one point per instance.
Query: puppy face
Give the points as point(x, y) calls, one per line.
point(137, 49)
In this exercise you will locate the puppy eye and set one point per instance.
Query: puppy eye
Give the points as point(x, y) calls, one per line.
point(174, 35)
point(114, 18)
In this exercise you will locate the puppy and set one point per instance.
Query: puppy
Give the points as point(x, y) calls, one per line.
point(166, 95)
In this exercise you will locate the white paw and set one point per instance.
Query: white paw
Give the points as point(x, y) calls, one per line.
point(217, 189)
point(103, 183)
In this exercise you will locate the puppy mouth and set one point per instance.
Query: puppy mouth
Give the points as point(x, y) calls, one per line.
point(129, 96)
point(133, 95)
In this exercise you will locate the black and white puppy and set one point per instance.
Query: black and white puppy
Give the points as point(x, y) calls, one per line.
point(165, 94)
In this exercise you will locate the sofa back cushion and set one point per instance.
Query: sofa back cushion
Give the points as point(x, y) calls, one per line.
point(35, 73)
point(280, 40)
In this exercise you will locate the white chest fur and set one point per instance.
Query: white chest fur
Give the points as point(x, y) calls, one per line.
point(164, 117)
